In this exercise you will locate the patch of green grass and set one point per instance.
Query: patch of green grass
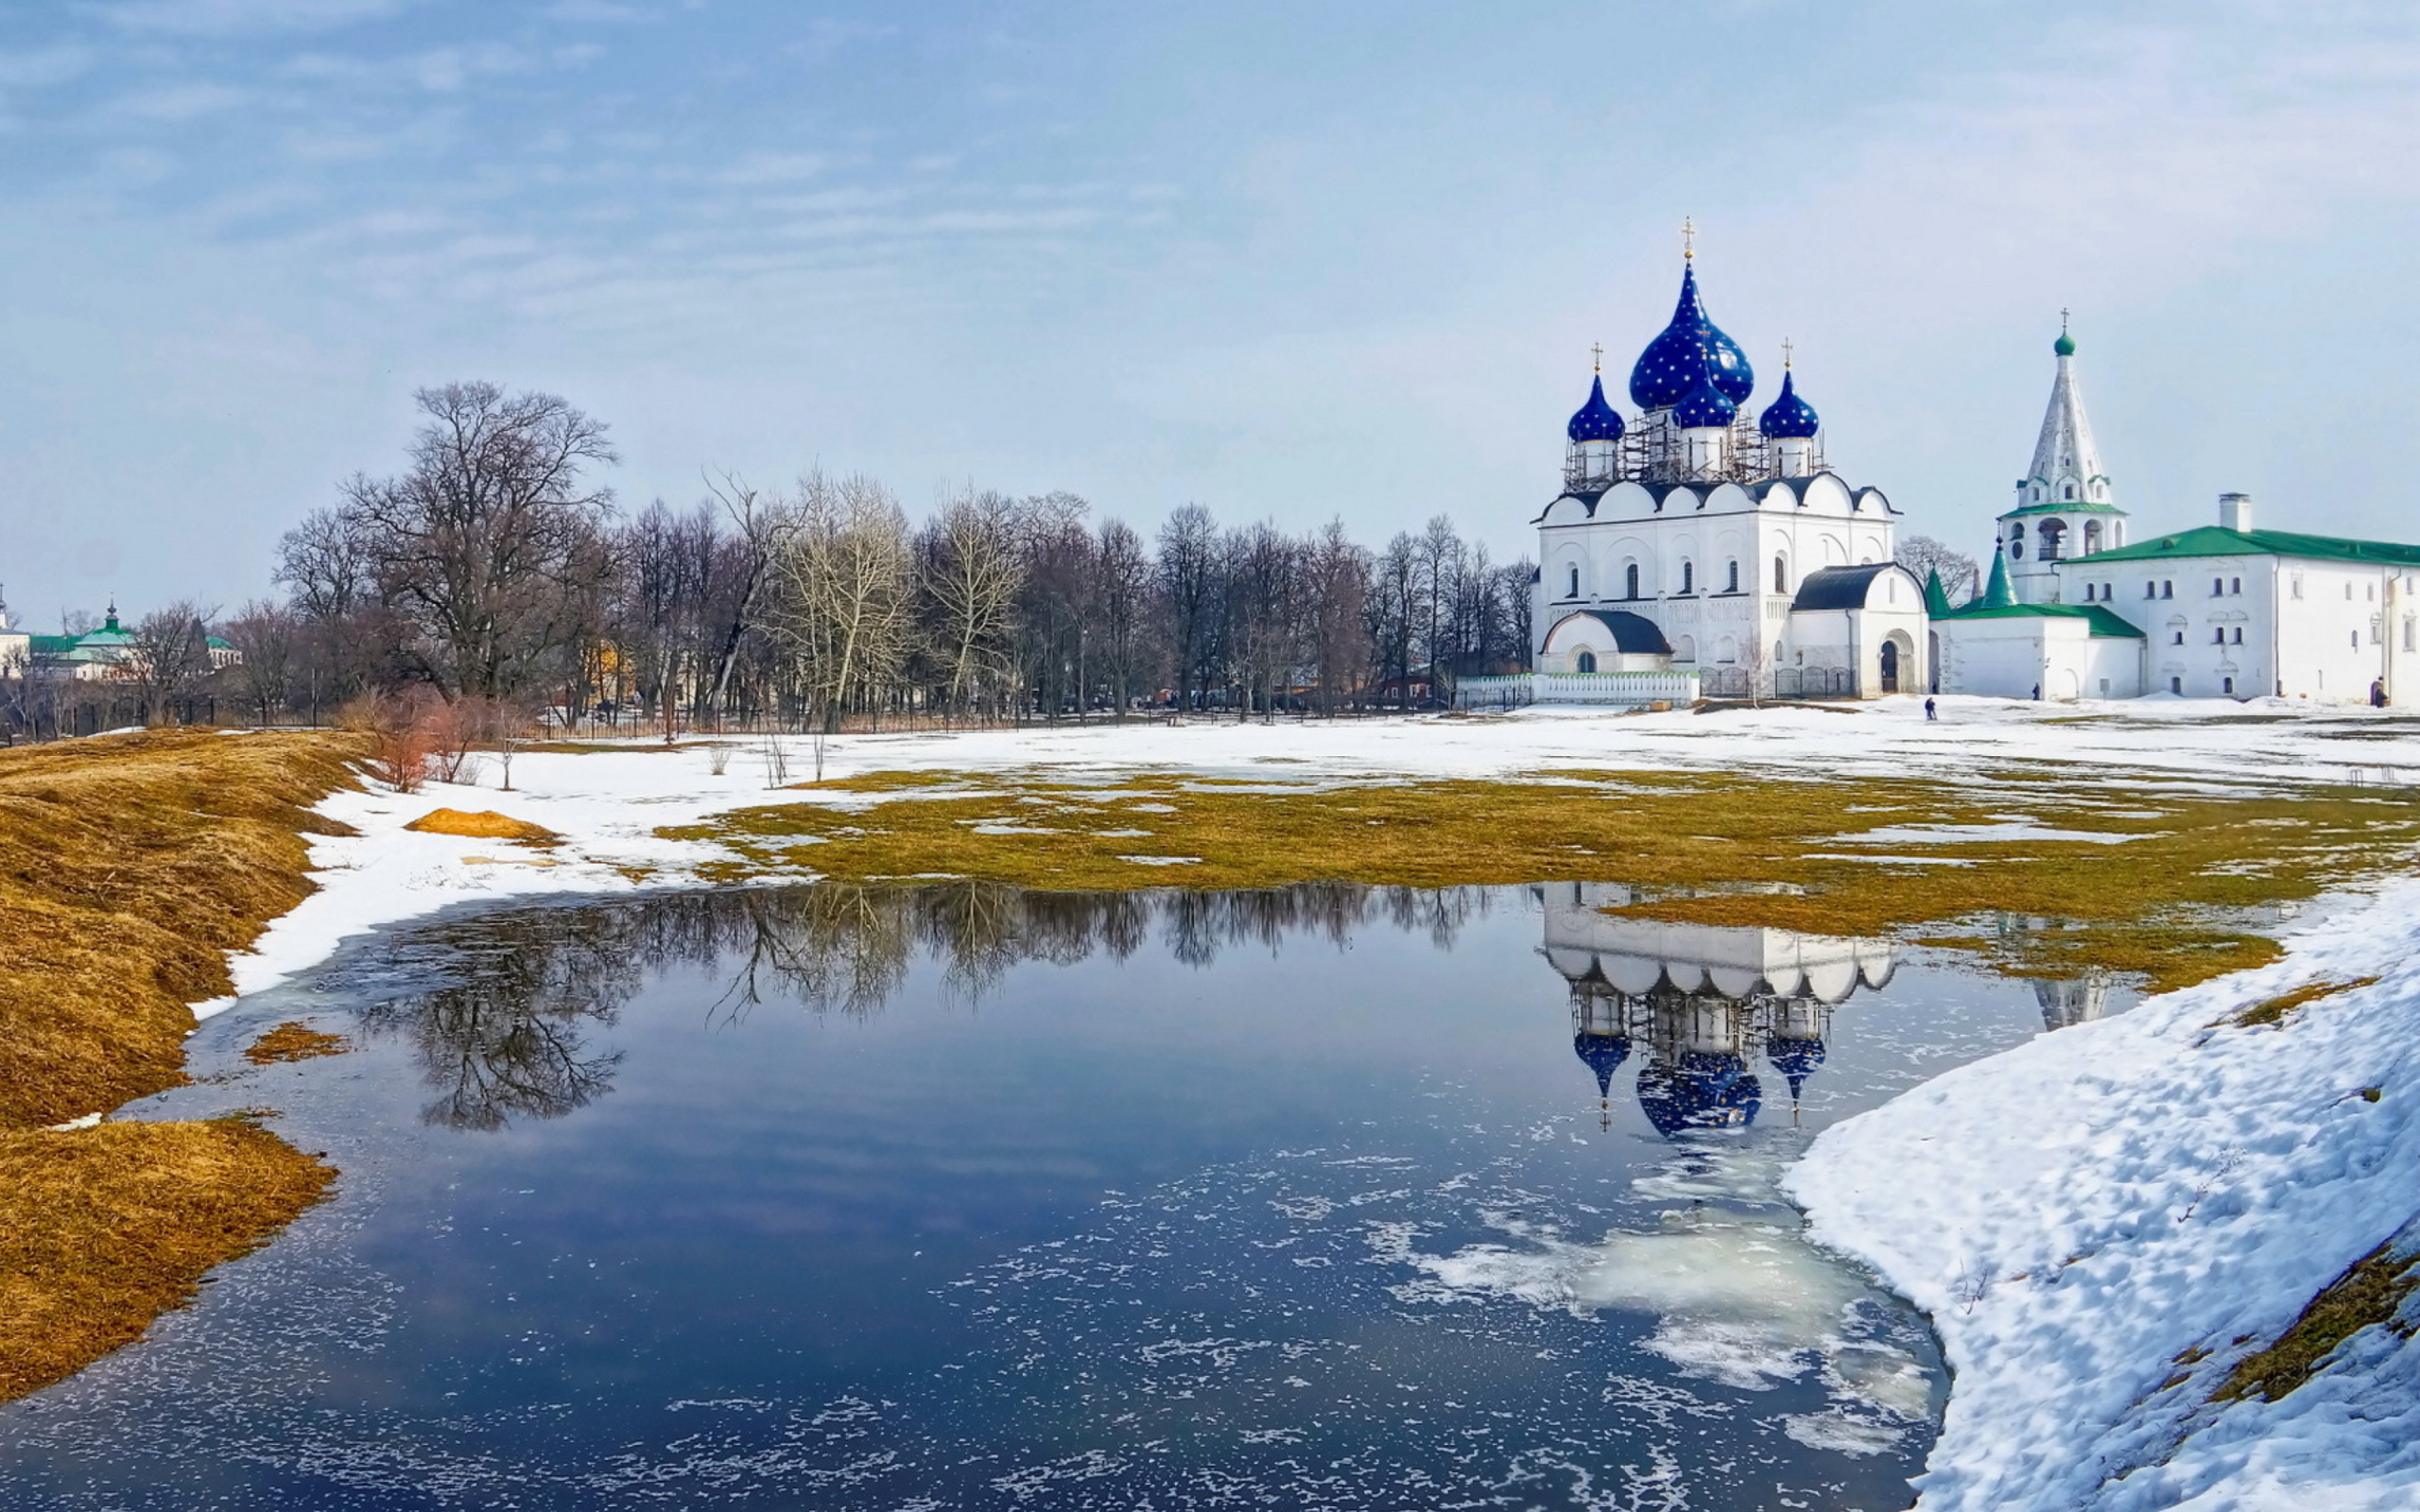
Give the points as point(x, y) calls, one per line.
point(2370, 1293)
point(1710, 847)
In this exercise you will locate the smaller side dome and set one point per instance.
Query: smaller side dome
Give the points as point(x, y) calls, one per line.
point(2065, 346)
point(1596, 419)
point(1789, 418)
point(1704, 406)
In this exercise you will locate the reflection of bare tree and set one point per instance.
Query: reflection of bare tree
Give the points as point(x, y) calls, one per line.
point(502, 1031)
point(503, 1036)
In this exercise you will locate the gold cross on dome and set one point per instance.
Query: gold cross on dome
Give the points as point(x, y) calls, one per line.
point(1597, 350)
point(1688, 240)
point(1786, 350)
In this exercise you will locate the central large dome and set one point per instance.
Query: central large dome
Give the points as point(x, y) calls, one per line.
point(1689, 348)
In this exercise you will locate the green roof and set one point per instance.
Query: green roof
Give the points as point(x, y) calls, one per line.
point(2105, 622)
point(1936, 596)
point(2216, 541)
point(2071, 506)
point(50, 645)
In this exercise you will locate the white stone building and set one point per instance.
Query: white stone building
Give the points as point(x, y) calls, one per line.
point(1692, 537)
point(2074, 610)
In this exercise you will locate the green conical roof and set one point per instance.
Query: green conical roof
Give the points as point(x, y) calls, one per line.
point(1936, 596)
point(1996, 593)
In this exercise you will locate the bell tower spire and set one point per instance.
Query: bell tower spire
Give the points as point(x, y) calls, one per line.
point(2064, 507)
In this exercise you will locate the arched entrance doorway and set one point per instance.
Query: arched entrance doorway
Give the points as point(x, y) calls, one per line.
point(1890, 666)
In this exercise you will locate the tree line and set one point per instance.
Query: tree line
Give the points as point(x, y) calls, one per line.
point(495, 567)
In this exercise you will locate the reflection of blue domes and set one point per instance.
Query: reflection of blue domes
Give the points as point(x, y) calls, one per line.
point(1678, 357)
point(1794, 1058)
point(1789, 418)
point(1706, 406)
point(1602, 1054)
point(1597, 420)
point(1703, 1090)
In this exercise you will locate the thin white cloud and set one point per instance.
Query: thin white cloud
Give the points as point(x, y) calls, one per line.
point(229, 17)
point(43, 67)
point(602, 12)
point(181, 102)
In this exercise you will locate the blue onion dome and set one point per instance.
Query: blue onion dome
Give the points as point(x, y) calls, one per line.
point(1795, 1059)
point(1595, 420)
point(1602, 1054)
point(1705, 403)
point(1704, 1091)
point(1789, 418)
point(1669, 368)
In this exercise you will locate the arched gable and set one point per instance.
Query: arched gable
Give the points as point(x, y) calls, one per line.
point(1565, 511)
point(1824, 494)
point(1625, 501)
point(1729, 498)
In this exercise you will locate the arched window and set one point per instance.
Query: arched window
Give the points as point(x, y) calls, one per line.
point(1573, 591)
point(1732, 584)
point(1587, 662)
point(1688, 576)
point(2069, 492)
point(1781, 576)
point(1630, 580)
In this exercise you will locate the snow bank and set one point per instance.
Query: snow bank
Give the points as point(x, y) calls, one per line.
point(2081, 1213)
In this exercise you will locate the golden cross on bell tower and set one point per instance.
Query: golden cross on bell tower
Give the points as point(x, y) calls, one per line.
point(1688, 240)
point(1597, 350)
point(1786, 350)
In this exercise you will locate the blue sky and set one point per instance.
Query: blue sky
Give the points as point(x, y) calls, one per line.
point(1287, 260)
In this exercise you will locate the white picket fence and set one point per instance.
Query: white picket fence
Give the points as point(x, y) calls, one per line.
point(1626, 689)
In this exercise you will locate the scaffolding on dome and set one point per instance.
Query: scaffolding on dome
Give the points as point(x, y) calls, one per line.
point(1654, 450)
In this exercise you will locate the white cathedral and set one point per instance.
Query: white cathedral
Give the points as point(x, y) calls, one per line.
point(1694, 539)
point(1697, 537)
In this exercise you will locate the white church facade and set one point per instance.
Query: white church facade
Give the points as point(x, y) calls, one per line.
point(2074, 609)
point(1696, 537)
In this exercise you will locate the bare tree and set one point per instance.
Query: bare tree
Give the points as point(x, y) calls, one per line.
point(1924, 555)
point(1188, 574)
point(484, 540)
point(266, 637)
point(843, 574)
point(1122, 600)
point(1336, 595)
point(762, 525)
point(968, 573)
point(168, 655)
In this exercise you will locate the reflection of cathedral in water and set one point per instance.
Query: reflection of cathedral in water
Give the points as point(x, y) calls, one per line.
point(1702, 1002)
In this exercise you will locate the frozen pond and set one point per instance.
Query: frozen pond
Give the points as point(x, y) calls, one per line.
point(961, 1198)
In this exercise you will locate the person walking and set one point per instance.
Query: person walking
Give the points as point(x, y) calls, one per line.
point(1930, 714)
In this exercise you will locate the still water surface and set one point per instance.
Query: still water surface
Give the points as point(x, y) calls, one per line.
point(964, 1198)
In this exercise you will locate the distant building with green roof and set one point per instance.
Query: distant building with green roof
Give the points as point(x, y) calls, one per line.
point(2074, 609)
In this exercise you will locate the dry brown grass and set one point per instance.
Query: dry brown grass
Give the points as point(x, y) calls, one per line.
point(129, 868)
point(103, 1230)
point(1712, 848)
point(2274, 1011)
point(2370, 1292)
point(485, 824)
point(293, 1040)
